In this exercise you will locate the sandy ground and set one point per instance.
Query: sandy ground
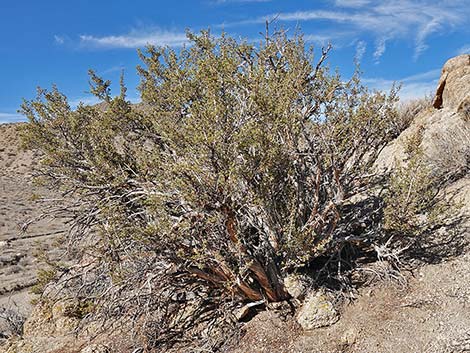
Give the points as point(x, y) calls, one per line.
point(20, 203)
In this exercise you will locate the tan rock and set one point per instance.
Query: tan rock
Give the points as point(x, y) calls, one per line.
point(438, 126)
point(453, 85)
point(349, 336)
point(317, 311)
point(296, 285)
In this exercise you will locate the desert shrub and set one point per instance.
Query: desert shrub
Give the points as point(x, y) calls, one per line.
point(417, 214)
point(239, 167)
point(412, 191)
point(464, 109)
point(79, 310)
point(44, 277)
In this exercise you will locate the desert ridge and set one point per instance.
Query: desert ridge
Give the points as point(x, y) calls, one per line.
point(21, 240)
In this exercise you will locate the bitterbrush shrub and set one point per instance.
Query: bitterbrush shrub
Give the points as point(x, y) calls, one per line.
point(239, 167)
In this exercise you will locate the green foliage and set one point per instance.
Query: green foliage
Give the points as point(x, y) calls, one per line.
point(99, 87)
point(44, 277)
point(79, 309)
point(412, 207)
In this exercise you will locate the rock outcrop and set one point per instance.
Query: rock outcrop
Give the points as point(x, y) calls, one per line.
point(445, 125)
point(453, 88)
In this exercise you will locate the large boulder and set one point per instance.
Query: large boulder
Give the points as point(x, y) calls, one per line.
point(453, 88)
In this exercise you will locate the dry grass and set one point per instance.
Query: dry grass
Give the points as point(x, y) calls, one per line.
point(409, 110)
point(450, 155)
point(11, 322)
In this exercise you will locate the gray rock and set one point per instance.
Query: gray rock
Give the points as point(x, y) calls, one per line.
point(317, 311)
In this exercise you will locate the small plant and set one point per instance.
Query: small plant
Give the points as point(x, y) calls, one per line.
point(80, 309)
point(409, 110)
point(13, 322)
point(450, 155)
point(44, 278)
point(414, 207)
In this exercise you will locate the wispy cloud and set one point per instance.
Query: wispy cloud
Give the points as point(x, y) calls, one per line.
point(324, 38)
point(361, 47)
point(415, 86)
point(59, 39)
point(135, 39)
point(464, 49)
point(87, 100)
point(385, 20)
point(351, 3)
point(380, 46)
point(112, 69)
point(11, 118)
point(431, 27)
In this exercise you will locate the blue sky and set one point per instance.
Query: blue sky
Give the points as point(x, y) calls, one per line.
point(52, 41)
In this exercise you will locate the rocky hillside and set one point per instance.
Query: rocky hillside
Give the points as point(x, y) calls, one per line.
point(21, 241)
point(425, 308)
